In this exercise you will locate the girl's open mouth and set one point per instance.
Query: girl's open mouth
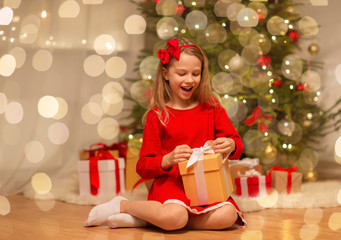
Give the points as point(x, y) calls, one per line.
point(187, 89)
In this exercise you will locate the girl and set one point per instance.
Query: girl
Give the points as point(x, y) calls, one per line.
point(183, 114)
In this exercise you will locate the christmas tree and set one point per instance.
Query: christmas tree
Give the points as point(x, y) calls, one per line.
point(270, 93)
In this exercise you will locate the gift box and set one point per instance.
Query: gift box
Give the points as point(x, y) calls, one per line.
point(253, 186)
point(131, 175)
point(86, 154)
point(110, 177)
point(206, 181)
point(116, 150)
point(239, 168)
point(286, 180)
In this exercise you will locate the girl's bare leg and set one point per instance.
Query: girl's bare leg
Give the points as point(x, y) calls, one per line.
point(221, 218)
point(168, 217)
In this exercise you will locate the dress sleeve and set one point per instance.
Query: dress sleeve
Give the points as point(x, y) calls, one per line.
point(224, 128)
point(149, 163)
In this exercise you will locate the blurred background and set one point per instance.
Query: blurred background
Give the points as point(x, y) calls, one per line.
point(65, 67)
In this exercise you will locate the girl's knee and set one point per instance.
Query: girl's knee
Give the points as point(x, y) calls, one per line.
point(175, 218)
point(227, 217)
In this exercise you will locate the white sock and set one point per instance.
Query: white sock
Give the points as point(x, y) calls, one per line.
point(125, 220)
point(99, 214)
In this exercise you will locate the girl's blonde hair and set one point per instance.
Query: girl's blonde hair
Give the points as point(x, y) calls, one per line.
point(161, 93)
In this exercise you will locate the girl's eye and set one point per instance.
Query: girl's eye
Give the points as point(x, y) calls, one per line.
point(196, 74)
point(181, 74)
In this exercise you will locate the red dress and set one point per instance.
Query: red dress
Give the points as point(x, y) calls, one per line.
point(192, 127)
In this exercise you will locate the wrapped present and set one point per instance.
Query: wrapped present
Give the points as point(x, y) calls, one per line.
point(239, 168)
point(116, 150)
point(206, 180)
point(253, 184)
point(286, 180)
point(101, 175)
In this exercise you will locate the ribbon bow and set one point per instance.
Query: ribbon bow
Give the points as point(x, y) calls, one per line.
point(173, 50)
point(198, 154)
point(257, 114)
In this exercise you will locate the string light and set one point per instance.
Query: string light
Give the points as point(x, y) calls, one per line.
point(43, 14)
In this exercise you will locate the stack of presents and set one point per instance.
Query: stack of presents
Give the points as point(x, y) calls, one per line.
point(107, 170)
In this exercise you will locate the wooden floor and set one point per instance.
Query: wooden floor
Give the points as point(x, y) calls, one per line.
point(29, 219)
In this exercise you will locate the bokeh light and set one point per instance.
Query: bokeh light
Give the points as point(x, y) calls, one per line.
point(112, 109)
point(91, 113)
point(14, 4)
point(215, 33)
point(252, 140)
point(277, 26)
point(307, 160)
point(222, 82)
point(247, 17)
point(339, 196)
point(5, 206)
point(94, 65)
point(45, 202)
point(41, 183)
point(20, 56)
point(245, 35)
point(334, 221)
point(7, 65)
point(104, 44)
point(220, 8)
point(34, 151)
point(262, 41)
point(337, 147)
point(69, 9)
point(308, 26)
point(14, 112)
point(233, 11)
point(237, 64)
point(29, 29)
point(62, 108)
point(3, 102)
point(338, 73)
point(230, 105)
point(108, 128)
point(309, 232)
point(252, 234)
point(292, 66)
point(241, 114)
point(135, 24)
point(196, 20)
point(58, 133)
point(194, 3)
point(6, 16)
point(251, 53)
point(48, 106)
point(148, 67)
point(311, 80)
point(141, 92)
point(294, 136)
point(113, 92)
point(166, 27)
point(10, 134)
point(92, 1)
point(166, 7)
point(313, 216)
point(269, 200)
point(224, 59)
point(268, 102)
point(115, 67)
point(42, 60)
point(286, 127)
point(260, 8)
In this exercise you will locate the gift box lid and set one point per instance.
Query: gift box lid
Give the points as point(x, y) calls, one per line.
point(103, 165)
point(211, 162)
point(254, 180)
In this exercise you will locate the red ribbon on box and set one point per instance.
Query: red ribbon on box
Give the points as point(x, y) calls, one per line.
point(289, 171)
point(253, 185)
point(94, 174)
point(122, 148)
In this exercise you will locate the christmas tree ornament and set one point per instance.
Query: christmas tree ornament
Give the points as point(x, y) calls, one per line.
point(314, 49)
point(310, 176)
point(270, 151)
point(294, 35)
point(263, 61)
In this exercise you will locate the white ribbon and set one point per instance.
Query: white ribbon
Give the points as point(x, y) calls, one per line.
point(249, 173)
point(198, 154)
point(247, 162)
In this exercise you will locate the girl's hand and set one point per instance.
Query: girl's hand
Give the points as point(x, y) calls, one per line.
point(179, 154)
point(224, 146)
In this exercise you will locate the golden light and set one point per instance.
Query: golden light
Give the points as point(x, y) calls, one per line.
point(20, 56)
point(108, 128)
point(112, 109)
point(104, 44)
point(268, 200)
point(69, 9)
point(14, 112)
point(91, 113)
point(43, 14)
point(94, 65)
point(115, 67)
point(308, 232)
point(334, 221)
point(7, 65)
point(5, 206)
point(6, 14)
point(34, 151)
point(337, 147)
point(41, 183)
point(42, 60)
point(308, 26)
point(112, 92)
point(29, 29)
point(48, 106)
point(45, 202)
point(313, 216)
point(58, 133)
point(3, 102)
point(62, 108)
point(135, 24)
point(12, 3)
point(252, 234)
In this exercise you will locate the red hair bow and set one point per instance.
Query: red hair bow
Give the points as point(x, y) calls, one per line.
point(173, 50)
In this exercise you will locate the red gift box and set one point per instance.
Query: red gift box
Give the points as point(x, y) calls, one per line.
point(255, 186)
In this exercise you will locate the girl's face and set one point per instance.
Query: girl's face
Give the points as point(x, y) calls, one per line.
point(184, 77)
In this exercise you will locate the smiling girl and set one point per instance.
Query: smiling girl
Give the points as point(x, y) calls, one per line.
point(183, 114)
